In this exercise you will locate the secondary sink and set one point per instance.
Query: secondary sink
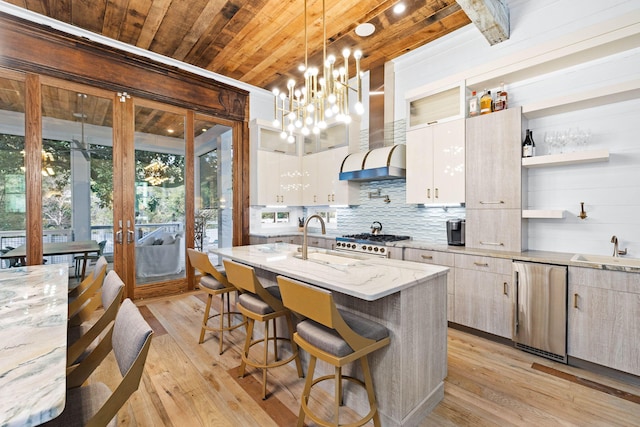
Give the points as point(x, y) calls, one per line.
point(604, 259)
point(334, 258)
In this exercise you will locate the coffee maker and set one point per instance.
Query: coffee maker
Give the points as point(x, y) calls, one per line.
point(455, 232)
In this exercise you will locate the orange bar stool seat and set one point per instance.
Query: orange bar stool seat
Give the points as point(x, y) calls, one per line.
point(214, 283)
point(336, 337)
point(261, 304)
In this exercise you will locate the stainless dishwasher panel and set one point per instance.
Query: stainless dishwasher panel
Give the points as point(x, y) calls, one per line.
point(540, 309)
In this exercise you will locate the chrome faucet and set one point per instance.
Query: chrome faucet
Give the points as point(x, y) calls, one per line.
point(304, 233)
point(616, 252)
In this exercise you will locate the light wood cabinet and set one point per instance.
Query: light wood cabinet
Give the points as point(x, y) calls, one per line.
point(494, 165)
point(495, 183)
point(483, 294)
point(437, 258)
point(603, 314)
point(436, 163)
point(495, 229)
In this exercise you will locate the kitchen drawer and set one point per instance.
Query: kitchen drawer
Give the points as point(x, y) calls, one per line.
point(495, 229)
point(429, 257)
point(483, 263)
point(619, 281)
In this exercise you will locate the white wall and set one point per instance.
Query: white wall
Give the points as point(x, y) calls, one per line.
point(611, 191)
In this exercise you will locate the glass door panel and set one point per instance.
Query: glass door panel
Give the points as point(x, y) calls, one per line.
point(159, 144)
point(77, 172)
point(12, 172)
point(213, 185)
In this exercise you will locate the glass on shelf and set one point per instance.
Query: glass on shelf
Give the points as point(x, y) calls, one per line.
point(573, 139)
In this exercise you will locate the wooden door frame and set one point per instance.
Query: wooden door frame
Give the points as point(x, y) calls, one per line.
point(42, 52)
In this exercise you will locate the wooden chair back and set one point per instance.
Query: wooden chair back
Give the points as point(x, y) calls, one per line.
point(318, 305)
point(244, 278)
point(82, 302)
point(201, 262)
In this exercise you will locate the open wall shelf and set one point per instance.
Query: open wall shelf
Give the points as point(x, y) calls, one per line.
point(572, 158)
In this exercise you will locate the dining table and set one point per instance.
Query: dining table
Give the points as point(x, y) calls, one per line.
point(33, 343)
point(84, 247)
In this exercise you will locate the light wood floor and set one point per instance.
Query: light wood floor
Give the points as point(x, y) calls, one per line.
point(488, 384)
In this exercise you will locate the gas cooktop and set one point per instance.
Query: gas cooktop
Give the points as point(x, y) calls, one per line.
point(371, 238)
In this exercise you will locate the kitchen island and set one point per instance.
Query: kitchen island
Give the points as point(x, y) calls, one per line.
point(408, 298)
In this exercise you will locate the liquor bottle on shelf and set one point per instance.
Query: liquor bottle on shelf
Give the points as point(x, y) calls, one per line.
point(486, 102)
point(501, 99)
point(528, 145)
point(474, 105)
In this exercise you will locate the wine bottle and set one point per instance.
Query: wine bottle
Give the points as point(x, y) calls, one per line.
point(486, 102)
point(528, 145)
point(474, 105)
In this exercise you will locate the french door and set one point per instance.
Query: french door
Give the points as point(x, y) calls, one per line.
point(136, 176)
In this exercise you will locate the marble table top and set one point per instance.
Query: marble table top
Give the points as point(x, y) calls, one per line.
point(33, 343)
point(360, 276)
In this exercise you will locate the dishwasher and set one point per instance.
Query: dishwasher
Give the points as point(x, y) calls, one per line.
point(540, 309)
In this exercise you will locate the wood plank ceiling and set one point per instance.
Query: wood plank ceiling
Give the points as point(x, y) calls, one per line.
point(259, 42)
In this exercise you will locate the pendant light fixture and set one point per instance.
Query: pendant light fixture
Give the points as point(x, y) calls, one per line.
point(325, 93)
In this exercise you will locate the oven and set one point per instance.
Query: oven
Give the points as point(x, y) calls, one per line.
point(367, 243)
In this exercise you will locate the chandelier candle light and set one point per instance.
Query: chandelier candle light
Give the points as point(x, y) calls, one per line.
point(321, 97)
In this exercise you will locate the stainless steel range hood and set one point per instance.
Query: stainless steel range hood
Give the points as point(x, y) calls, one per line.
point(383, 160)
point(377, 164)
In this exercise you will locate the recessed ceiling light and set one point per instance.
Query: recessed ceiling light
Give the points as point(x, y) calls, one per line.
point(399, 8)
point(366, 29)
point(170, 130)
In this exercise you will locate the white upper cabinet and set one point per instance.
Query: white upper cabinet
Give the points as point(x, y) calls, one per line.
point(436, 163)
point(276, 174)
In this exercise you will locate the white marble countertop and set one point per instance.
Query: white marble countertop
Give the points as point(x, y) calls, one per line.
point(367, 278)
point(33, 343)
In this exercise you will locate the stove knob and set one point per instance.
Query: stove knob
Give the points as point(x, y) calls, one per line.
point(375, 249)
point(381, 250)
point(364, 248)
point(349, 245)
point(369, 248)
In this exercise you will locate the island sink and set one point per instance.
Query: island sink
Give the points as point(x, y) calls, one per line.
point(332, 258)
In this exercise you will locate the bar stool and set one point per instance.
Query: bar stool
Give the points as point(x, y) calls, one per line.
point(213, 282)
point(261, 304)
point(336, 337)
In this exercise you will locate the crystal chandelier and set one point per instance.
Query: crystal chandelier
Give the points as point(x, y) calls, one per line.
point(325, 93)
point(154, 172)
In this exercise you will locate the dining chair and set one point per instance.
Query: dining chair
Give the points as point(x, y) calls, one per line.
point(79, 259)
point(81, 339)
point(214, 282)
point(336, 337)
point(95, 404)
point(81, 301)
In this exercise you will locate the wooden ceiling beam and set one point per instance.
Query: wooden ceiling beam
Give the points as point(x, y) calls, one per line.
point(490, 16)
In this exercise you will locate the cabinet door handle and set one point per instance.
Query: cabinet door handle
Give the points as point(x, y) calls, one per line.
point(505, 288)
point(480, 264)
point(516, 319)
point(436, 193)
point(426, 256)
point(428, 193)
point(575, 300)
point(492, 243)
point(499, 202)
